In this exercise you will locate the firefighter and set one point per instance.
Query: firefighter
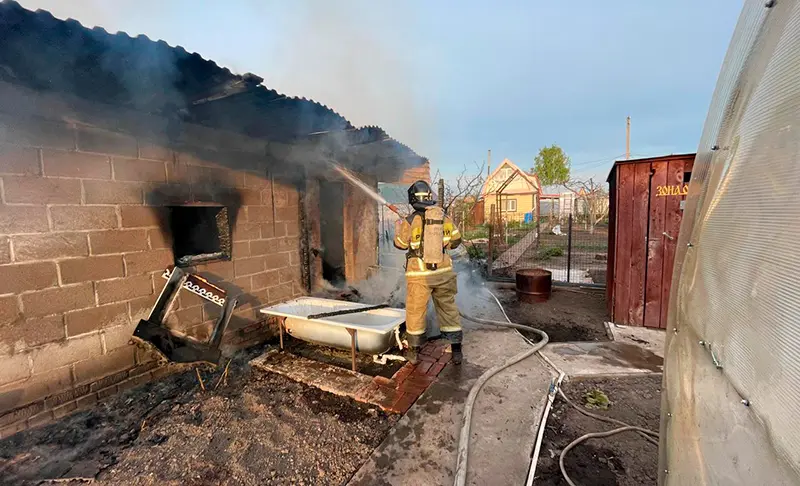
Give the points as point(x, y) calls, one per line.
point(426, 234)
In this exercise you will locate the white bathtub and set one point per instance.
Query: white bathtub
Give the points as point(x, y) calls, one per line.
point(374, 329)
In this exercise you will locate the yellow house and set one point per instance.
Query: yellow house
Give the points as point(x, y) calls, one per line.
point(517, 198)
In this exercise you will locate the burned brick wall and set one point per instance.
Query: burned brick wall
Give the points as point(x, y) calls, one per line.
point(360, 232)
point(361, 225)
point(83, 249)
point(313, 230)
point(413, 174)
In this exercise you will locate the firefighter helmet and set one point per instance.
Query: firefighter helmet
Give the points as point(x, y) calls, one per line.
point(420, 195)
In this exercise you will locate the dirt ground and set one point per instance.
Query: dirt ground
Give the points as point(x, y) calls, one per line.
point(569, 315)
point(260, 428)
point(624, 459)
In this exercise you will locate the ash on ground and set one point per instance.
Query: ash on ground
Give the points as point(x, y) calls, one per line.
point(256, 428)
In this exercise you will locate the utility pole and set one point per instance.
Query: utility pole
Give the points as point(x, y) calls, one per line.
point(488, 186)
point(628, 138)
point(441, 192)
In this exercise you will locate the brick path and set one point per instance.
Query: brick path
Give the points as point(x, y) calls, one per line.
point(409, 382)
point(396, 394)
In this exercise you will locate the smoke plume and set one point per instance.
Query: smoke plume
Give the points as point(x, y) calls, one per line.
point(333, 52)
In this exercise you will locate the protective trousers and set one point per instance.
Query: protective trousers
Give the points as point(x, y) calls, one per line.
point(443, 288)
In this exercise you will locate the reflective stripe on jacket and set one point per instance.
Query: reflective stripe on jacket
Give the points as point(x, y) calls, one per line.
point(410, 238)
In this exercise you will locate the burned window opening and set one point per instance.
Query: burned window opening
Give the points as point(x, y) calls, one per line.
point(331, 205)
point(200, 233)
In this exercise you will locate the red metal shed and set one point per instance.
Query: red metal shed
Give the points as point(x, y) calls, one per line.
point(646, 208)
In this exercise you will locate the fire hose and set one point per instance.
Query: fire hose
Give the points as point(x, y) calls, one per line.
point(463, 442)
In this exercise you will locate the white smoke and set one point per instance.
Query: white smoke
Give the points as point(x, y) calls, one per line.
point(331, 52)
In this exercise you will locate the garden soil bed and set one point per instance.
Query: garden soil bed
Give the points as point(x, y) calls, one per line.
point(569, 314)
point(624, 459)
point(258, 428)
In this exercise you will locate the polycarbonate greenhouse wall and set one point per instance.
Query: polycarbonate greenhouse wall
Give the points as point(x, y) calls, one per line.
point(731, 406)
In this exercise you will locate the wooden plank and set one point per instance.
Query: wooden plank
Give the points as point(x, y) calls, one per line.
point(612, 229)
point(655, 246)
point(623, 244)
point(476, 216)
point(641, 186)
point(672, 225)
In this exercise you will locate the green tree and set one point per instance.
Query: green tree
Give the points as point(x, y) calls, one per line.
point(552, 165)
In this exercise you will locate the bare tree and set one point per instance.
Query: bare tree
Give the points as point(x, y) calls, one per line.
point(594, 198)
point(464, 191)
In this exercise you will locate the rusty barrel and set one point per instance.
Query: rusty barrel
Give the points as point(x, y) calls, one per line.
point(534, 285)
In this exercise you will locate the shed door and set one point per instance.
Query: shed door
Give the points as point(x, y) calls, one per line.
point(648, 217)
point(668, 186)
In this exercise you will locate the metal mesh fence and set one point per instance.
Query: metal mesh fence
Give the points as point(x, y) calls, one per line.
point(731, 402)
point(572, 247)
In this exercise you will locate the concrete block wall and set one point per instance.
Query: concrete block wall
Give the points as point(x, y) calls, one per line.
point(82, 251)
point(414, 174)
point(360, 232)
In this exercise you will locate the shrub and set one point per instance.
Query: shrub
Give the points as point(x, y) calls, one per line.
point(520, 225)
point(475, 252)
point(550, 252)
point(597, 399)
point(481, 231)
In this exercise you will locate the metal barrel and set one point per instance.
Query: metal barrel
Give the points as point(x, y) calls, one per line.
point(534, 285)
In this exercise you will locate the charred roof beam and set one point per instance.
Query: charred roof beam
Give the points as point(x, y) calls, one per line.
point(243, 84)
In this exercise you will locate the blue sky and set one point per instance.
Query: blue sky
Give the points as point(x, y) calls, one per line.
point(453, 79)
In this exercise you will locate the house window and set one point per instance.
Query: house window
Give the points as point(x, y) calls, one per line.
point(505, 173)
point(567, 205)
point(510, 205)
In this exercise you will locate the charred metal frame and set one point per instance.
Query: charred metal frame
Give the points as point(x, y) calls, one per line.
point(179, 349)
point(202, 287)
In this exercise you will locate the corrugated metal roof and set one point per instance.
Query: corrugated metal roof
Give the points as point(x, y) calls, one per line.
point(44, 53)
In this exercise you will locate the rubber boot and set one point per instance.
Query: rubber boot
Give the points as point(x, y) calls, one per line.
point(415, 343)
point(412, 354)
point(457, 355)
point(455, 339)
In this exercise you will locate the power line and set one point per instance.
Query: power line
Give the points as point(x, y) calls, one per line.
point(597, 161)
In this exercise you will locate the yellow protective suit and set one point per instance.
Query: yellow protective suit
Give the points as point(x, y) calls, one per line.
point(426, 281)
